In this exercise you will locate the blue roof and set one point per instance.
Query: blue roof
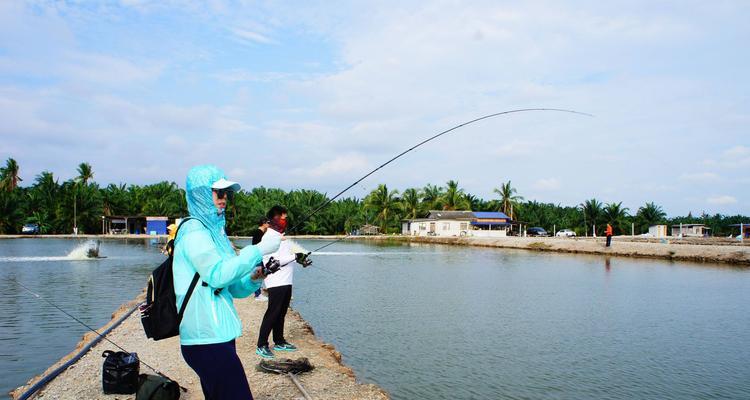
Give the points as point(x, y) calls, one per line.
point(480, 223)
point(490, 214)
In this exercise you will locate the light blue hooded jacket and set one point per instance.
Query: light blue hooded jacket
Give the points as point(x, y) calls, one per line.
point(210, 318)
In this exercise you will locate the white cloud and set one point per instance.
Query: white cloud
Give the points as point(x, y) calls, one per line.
point(341, 165)
point(250, 36)
point(700, 177)
point(737, 151)
point(104, 69)
point(547, 184)
point(721, 200)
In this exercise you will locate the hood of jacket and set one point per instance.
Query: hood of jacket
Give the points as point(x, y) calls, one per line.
point(200, 201)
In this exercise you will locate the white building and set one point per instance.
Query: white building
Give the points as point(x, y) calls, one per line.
point(690, 230)
point(458, 223)
point(657, 231)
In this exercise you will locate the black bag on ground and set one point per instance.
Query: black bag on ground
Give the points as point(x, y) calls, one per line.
point(154, 387)
point(120, 372)
point(159, 315)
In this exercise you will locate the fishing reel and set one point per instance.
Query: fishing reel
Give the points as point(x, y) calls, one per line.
point(302, 259)
point(271, 266)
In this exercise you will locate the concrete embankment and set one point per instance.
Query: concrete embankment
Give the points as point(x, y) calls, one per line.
point(329, 380)
point(696, 250)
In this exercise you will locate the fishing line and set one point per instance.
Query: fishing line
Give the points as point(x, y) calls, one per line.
point(327, 202)
point(520, 110)
point(38, 296)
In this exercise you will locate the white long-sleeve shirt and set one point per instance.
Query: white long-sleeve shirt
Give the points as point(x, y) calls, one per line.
point(285, 255)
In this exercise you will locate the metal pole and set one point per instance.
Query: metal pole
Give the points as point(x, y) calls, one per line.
point(75, 211)
point(299, 386)
point(632, 229)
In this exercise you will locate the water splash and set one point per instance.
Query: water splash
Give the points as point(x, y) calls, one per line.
point(88, 250)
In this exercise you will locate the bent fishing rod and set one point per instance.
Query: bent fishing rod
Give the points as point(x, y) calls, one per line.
point(327, 202)
point(38, 296)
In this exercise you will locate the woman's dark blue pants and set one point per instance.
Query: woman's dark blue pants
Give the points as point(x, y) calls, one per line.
point(220, 370)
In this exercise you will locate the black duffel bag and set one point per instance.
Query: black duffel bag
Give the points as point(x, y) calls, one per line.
point(154, 387)
point(120, 372)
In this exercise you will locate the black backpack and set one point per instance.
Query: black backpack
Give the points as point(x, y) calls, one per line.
point(120, 372)
point(159, 315)
point(154, 387)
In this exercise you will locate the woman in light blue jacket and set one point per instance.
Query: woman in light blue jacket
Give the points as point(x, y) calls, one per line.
point(210, 324)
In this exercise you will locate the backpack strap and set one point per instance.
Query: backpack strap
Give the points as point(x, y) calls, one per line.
point(196, 277)
point(187, 296)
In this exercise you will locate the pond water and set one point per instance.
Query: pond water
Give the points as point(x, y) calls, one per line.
point(442, 322)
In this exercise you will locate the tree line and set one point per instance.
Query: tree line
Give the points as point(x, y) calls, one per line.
point(57, 207)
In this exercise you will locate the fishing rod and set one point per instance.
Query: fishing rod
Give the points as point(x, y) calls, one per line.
point(327, 202)
point(38, 296)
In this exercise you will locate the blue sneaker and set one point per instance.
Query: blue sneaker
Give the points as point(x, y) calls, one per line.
point(264, 352)
point(285, 347)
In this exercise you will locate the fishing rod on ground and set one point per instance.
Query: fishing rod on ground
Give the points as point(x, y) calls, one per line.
point(329, 201)
point(38, 296)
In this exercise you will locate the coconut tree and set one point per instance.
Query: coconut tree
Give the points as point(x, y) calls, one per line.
point(11, 215)
point(431, 195)
point(616, 215)
point(410, 202)
point(592, 213)
point(9, 175)
point(474, 202)
point(650, 214)
point(115, 200)
point(85, 173)
point(384, 202)
point(454, 197)
point(508, 198)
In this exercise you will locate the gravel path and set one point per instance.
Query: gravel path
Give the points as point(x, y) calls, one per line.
point(329, 380)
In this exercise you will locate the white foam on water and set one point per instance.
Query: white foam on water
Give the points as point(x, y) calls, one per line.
point(80, 253)
point(28, 259)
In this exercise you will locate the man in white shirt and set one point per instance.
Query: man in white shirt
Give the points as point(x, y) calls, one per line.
point(279, 286)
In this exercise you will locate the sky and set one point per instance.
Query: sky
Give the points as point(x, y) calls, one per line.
point(316, 94)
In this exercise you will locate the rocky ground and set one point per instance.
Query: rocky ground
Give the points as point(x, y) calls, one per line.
point(329, 380)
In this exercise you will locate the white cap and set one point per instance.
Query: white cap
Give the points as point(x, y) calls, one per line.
point(225, 184)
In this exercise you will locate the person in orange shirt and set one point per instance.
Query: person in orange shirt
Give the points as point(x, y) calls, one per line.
point(609, 234)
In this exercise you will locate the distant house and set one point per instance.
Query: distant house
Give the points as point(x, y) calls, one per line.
point(368, 229)
point(658, 231)
point(458, 223)
point(744, 229)
point(690, 230)
point(156, 225)
point(135, 224)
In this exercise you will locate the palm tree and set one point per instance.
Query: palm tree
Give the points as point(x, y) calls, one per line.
point(454, 198)
point(384, 202)
point(9, 175)
point(650, 214)
point(85, 173)
point(474, 202)
point(615, 214)
point(410, 202)
point(431, 195)
point(508, 198)
point(592, 213)
point(11, 216)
